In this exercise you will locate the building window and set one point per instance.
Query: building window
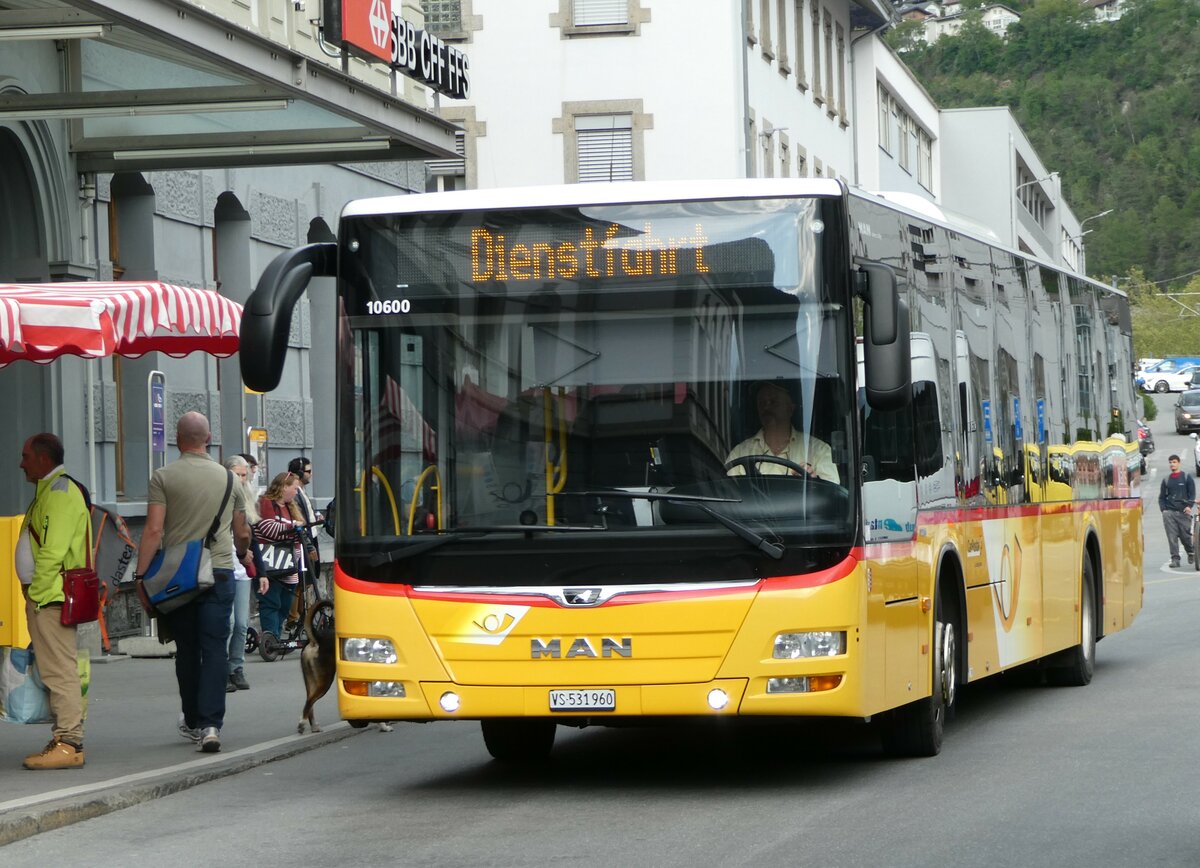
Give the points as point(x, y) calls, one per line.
point(452, 20)
point(914, 142)
point(448, 174)
point(767, 140)
point(841, 85)
point(818, 97)
point(925, 160)
point(817, 171)
point(591, 13)
point(604, 144)
point(599, 17)
point(798, 21)
point(785, 156)
point(752, 168)
point(903, 140)
point(781, 33)
point(603, 140)
point(443, 16)
point(885, 118)
point(764, 29)
point(829, 107)
point(801, 162)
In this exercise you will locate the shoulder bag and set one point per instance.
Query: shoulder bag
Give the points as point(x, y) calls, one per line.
point(180, 573)
point(278, 558)
point(81, 587)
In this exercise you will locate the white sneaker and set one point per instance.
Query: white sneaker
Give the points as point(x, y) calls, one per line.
point(192, 734)
point(210, 739)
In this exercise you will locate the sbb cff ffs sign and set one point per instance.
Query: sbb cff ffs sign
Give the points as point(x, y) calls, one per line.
point(370, 30)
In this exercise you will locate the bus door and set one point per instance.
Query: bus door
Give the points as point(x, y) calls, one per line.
point(889, 488)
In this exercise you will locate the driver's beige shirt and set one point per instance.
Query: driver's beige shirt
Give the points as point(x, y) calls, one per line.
point(800, 449)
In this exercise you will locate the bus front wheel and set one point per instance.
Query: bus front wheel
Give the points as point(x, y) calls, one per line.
point(916, 729)
point(518, 740)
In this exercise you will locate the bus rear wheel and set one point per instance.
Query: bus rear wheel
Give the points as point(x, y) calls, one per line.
point(916, 729)
point(518, 740)
point(1079, 663)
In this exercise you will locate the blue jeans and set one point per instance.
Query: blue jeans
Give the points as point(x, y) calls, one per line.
point(201, 631)
point(238, 624)
point(274, 605)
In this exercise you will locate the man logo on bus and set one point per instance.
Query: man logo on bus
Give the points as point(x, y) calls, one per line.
point(581, 596)
point(580, 647)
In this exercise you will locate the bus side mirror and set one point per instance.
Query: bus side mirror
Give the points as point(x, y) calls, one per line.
point(887, 359)
point(267, 316)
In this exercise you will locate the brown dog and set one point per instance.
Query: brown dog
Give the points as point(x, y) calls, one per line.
point(318, 660)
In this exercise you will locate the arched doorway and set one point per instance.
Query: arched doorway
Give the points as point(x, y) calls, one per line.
point(23, 256)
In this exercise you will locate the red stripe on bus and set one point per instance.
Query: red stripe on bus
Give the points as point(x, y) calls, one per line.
point(1025, 510)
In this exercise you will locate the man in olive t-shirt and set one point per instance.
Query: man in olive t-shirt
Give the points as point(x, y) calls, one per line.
point(184, 498)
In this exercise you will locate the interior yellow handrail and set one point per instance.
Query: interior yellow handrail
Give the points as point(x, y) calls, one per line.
point(437, 486)
point(556, 474)
point(362, 501)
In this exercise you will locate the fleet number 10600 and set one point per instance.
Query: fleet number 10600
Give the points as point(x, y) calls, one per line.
point(391, 305)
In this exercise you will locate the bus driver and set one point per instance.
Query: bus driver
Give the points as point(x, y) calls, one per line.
point(777, 437)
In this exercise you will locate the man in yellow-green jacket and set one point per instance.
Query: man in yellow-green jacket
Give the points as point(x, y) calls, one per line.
point(54, 537)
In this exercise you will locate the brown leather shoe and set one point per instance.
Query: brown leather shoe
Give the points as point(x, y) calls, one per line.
point(56, 755)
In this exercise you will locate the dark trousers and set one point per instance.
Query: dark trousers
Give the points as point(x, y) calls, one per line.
point(1178, 526)
point(201, 631)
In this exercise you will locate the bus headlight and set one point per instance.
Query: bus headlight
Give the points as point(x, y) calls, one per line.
point(390, 689)
point(361, 650)
point(822, 643)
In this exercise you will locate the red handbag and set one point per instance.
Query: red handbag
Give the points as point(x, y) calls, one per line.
point(81, 593)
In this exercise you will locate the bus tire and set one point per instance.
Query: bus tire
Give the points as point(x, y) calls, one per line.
point(1079, 663)
point(916, 729)
point(518, 740)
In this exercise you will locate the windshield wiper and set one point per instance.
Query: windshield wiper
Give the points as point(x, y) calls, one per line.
point(700, 502)
point(409, 550)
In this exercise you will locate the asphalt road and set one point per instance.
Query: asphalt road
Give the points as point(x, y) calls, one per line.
point(1104, 775)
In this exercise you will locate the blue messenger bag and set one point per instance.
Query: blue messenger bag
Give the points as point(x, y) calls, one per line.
point(180, 573)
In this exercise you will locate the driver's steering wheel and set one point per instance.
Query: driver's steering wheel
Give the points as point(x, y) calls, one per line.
point(751, 462)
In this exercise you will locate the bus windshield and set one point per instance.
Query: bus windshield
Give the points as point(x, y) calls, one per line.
point(600, 392)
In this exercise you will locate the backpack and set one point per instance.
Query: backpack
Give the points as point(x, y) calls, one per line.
point(328, 524)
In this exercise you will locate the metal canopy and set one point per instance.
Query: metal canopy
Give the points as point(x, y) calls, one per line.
point(169, 85)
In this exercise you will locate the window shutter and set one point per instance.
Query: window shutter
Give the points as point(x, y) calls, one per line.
point(593, 12)
point(604, 147)
point(451, 167)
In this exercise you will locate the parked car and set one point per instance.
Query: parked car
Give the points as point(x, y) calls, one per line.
point(1145, 437)
point(1187, 412)
point(1147, 378)
point(1170, 381)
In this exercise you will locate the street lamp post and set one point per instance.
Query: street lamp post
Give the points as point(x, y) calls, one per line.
point(1049, 177)
point(1083, 232)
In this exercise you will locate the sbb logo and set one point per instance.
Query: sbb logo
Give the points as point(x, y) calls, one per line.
point(379, 22)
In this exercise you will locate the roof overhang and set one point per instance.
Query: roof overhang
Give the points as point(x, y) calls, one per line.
point(871, 14)
point(232, 97)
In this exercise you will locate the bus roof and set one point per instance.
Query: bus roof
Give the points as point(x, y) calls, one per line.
point(594, 194)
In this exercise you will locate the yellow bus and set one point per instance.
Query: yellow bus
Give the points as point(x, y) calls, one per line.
point(612, 452)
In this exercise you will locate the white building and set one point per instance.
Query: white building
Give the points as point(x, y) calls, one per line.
point(996, 18)
point(1017, 195)
point(633, 89)
point(642, 89)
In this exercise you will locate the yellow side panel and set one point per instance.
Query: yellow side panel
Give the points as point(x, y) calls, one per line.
point(13, 630)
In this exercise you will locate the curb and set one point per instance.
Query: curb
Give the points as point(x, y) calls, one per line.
point(20, 823)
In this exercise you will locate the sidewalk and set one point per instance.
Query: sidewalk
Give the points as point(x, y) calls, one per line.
point(134, 751)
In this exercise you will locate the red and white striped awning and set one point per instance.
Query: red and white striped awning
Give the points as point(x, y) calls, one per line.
point(41, 321)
